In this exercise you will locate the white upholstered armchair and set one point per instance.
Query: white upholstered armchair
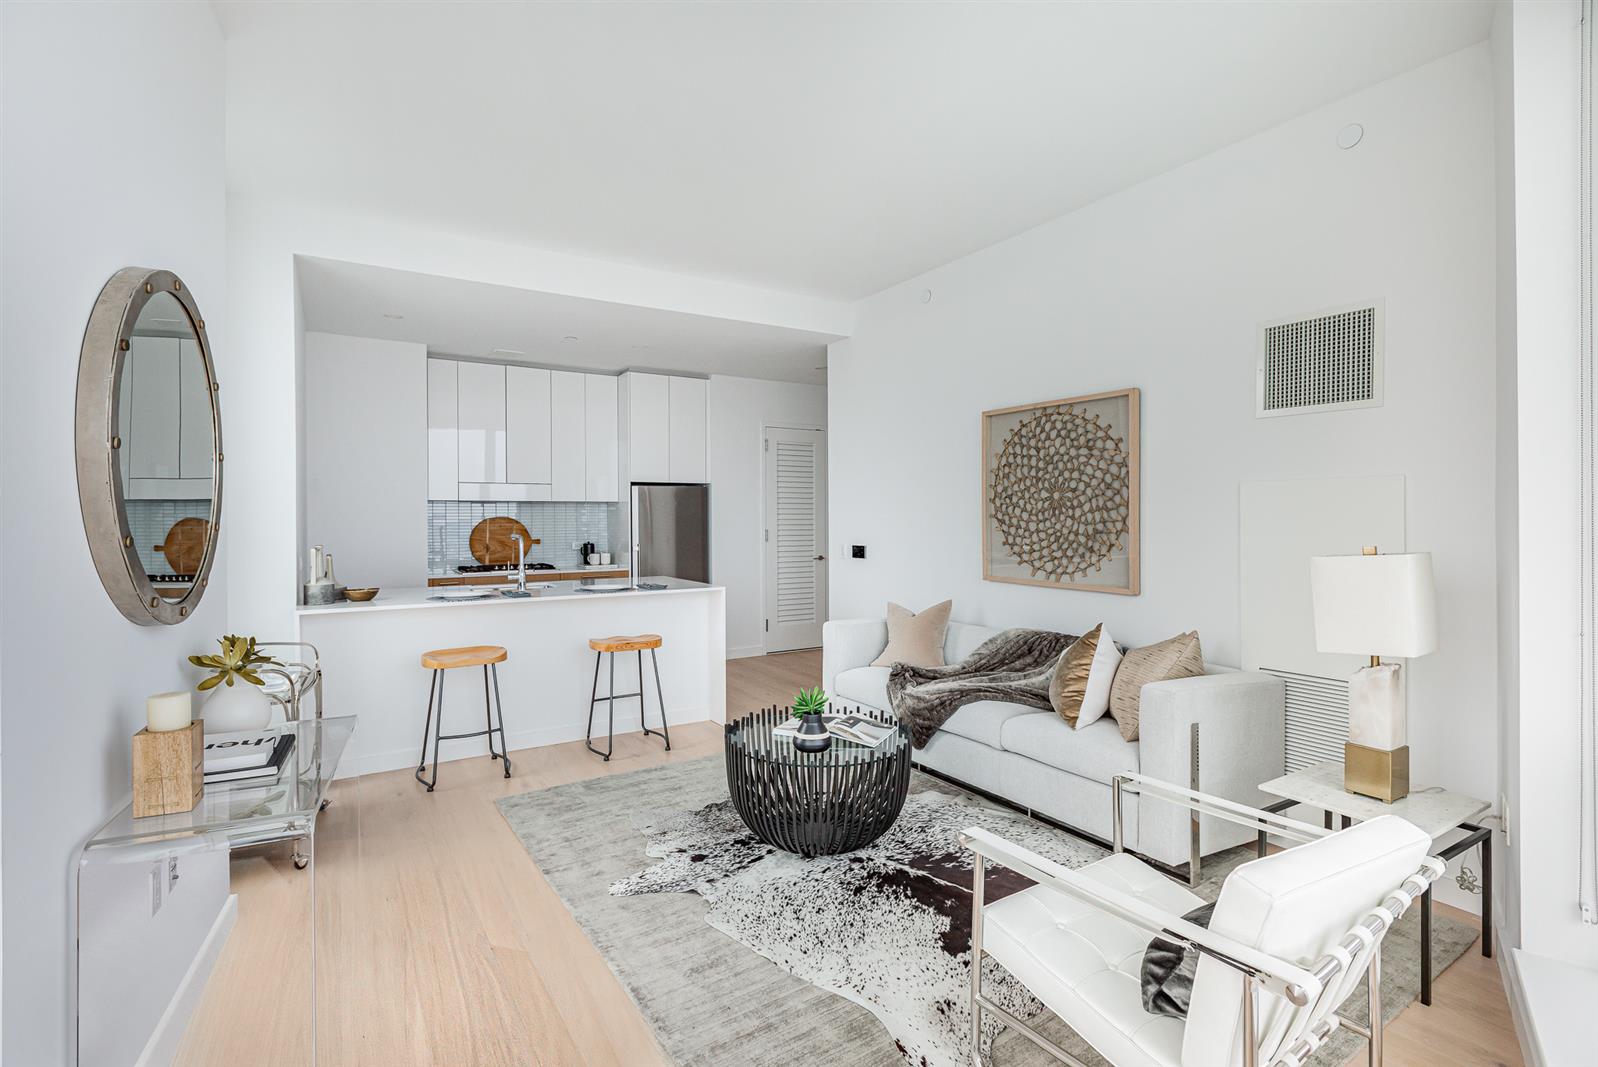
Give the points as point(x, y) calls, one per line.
point(1290, 938)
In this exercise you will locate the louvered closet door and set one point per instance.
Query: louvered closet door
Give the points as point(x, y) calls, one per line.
point(795, 538)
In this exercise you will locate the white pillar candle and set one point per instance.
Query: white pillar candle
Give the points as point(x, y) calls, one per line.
point(169, 711)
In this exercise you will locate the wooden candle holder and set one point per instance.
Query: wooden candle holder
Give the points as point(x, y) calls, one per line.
point(168, 770)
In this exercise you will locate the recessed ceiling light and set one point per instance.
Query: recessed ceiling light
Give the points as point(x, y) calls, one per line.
point(391, 315)
point(569, 339)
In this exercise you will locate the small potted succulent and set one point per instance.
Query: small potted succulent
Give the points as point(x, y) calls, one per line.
point(231, 706)
point(808, 707)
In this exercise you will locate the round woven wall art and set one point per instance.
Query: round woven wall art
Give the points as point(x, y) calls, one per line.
point(1060, 493)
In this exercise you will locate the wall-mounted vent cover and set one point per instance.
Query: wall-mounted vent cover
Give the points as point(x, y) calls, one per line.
point(1325, 363)
point(1316, 718)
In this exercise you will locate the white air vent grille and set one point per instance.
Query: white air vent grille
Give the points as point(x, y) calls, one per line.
point(1316, 723)
point(1328, 362)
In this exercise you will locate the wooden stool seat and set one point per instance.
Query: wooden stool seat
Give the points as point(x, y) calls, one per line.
point(634, 643)
point(447, 659)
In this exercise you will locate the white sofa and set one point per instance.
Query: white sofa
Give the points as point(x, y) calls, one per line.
point(1032, 759)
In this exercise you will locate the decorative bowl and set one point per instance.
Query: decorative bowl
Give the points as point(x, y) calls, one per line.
point(361, 594)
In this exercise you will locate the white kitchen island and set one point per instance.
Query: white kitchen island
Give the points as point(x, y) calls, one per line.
point(371, 653)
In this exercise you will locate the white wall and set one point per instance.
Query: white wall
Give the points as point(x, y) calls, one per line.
point(1545, 713)
point(366, 457)
point(1163, 286)
point(113, 121)
point(740, 411)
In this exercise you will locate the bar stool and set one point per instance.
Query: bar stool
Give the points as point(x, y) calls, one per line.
point(447, 659)
point(636, 643)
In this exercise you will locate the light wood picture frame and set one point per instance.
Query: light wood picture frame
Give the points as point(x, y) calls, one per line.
point(1060, 493)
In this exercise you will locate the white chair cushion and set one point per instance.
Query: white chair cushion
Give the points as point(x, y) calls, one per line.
point(1293, 905)
point(1085, 965)
point(1096, 752)
point(980, 721)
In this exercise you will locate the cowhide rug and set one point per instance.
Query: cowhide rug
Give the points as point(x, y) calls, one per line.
point(888, 926)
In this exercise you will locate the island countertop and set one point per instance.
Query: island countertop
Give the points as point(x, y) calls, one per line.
point(428, 597)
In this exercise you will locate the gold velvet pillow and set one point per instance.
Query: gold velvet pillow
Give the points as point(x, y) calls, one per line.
point(915, 638)
point(1178, 657)
point(1080, 687)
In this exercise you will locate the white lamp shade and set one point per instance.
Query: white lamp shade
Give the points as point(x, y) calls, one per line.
point(1374, 605)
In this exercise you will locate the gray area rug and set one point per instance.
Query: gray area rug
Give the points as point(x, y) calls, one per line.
point(809, 987)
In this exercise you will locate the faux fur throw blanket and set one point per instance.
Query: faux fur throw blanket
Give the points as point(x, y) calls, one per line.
point(1013, 665)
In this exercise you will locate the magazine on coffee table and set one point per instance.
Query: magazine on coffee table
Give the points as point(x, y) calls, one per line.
point(855, 728)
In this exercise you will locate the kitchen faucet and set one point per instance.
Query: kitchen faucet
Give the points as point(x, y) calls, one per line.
point(521, 563)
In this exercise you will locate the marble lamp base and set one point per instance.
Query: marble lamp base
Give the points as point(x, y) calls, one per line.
point(1376, 772)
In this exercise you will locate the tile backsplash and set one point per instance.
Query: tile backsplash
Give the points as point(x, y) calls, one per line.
point(149, 520)
point(557, 524)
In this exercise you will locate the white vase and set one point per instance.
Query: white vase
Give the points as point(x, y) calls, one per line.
point(240, 706)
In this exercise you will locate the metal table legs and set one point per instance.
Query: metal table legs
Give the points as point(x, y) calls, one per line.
point(1475, 835)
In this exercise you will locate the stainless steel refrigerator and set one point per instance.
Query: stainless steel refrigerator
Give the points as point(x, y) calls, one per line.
point(671, 531)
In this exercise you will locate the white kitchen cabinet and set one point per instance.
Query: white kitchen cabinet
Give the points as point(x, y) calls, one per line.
point(688, 427)
point(649, 427)
point(568, 419)
point(601, 478)
point(154, 421)
point(195, 439)
point(503, 491)
point(443, 431)
point(480, 407)
point(527, 425)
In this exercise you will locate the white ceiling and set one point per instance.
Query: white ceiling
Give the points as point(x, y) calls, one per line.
point(825, 148)
point(464, 318)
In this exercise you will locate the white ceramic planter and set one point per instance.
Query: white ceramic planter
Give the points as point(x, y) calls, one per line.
point(240, 706)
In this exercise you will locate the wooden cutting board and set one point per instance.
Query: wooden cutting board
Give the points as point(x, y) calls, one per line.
point(184, 546)
point(491, 541)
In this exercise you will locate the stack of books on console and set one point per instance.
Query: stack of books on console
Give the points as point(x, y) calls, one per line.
point(251, 755)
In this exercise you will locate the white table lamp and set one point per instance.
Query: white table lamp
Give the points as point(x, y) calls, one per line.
point(1375, 605)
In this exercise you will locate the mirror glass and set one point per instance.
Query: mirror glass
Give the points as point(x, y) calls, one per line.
point(168, 445)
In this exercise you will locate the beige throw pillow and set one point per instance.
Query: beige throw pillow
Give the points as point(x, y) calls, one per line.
point(915, 639)
point(1080, 688)
point(1178, 657)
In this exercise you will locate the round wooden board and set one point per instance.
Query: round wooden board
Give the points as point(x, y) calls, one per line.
point(184, 546)
point(491, 541)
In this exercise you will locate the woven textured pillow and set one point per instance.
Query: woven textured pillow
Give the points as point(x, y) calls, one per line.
point(915, 638)
point(1178, 657)
point(1080, 688)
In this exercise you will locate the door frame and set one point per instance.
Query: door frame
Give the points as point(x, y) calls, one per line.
point(822, 522)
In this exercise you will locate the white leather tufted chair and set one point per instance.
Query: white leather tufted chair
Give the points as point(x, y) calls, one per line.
point(1291, 937)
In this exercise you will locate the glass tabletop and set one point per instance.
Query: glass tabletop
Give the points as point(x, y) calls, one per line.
point(245, 811)
point(757, 735)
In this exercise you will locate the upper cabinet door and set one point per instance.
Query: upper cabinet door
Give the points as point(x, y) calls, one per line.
point(194, 414)
point(649, 427)
point(602, 481)
point(527, 429)
point(443, 431)
point(567, 435)
point(154, 419)
point(481, 408)
point(689, 427)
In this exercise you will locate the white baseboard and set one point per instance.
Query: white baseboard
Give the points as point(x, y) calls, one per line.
point(162, 1047)
point(746, 651)
point(1515, 993)
point(477, 748)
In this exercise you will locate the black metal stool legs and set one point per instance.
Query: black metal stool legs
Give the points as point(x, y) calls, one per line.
point(436, 725)
point(660, 698)
point(594, 698)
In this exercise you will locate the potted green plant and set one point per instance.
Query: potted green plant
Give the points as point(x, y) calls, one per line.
point(238, 700)
point(808, 707)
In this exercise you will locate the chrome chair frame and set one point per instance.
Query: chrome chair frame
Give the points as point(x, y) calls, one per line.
point(300, 676)
point(1259, 971)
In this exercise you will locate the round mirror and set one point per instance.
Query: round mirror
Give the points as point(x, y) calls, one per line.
point(149, 445)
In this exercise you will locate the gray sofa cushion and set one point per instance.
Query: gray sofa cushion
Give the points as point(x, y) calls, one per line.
point(1096, 751)
point(980, 721)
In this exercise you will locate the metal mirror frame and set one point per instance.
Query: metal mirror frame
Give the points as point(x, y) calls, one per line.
point(101, 494)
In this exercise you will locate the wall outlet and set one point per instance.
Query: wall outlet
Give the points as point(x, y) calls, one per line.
point(1503, 807)
point(157, 879)
point(577, 546)
point(171, 874)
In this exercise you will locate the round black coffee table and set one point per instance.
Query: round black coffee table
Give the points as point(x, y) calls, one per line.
point(815, 803)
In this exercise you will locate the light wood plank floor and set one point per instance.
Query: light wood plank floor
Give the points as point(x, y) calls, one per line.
point(441, 943)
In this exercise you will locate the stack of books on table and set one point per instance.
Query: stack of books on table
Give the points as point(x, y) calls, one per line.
point(252, 755)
